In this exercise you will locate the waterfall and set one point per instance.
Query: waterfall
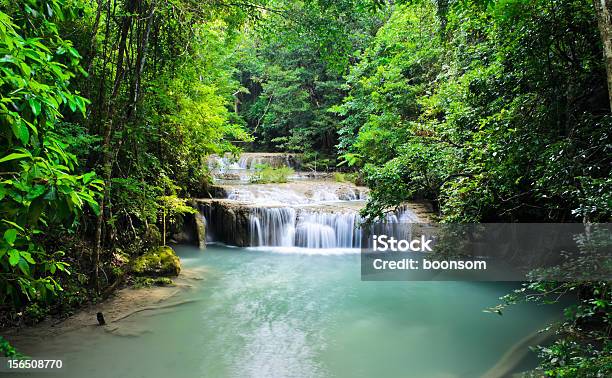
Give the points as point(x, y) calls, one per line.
point(222, 164)
point(284, 227)
point(272, 226)
point(249, 161)
point(328, 230)
point(292, 226)
point(316, 213)
point(265, 194)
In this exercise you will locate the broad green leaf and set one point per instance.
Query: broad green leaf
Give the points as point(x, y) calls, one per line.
point(22, 133)
point(20, 130)
point(24, 266)
point(7, 59)
point(35, 106)
point(25, 69)
point(88, 177)
point(36, 191)
point(14, 257)
point(95, 207)
point(10, 236)
point(71, 102)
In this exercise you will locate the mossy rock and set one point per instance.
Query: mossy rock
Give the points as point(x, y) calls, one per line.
point(160, 261)
point(144, 282)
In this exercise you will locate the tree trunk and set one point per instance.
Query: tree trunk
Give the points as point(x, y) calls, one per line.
point(604, 10)
point(107, 169)
point(140, 61)
point(164, 222)
point(126, 23)
point(94, 35)
point(108, 134)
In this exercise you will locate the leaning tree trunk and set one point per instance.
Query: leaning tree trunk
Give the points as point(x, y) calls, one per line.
point(604, 11)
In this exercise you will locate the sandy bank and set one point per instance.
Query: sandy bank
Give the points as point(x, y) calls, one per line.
point(119, 310)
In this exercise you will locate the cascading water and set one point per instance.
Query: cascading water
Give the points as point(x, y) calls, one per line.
point(246, 164)
point(310, 214)
point(328, 230)
point(290, 226)
point(273, 226)
point(226, 162)
point(286, 227)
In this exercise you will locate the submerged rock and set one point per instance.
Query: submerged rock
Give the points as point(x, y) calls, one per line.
point(348, 193)
point(160, 261)
point(229, 176)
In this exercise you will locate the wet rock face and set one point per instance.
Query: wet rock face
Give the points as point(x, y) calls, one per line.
point(216, 191)
point(193, 230)
point(291, 193)
point(200, 225)
point(322, 226)
point(273, 160)
point(276, 160)
point(227, 222)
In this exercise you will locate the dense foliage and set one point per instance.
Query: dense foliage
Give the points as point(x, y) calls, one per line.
point(41, 190)
point(292, 72)
point(108, 111)
point(498, 113)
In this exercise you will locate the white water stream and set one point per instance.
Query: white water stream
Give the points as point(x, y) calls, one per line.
point(309, 214)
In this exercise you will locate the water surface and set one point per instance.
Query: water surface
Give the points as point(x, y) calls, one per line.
point(258, 313)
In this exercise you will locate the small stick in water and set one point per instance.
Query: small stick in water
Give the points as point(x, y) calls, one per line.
point(100, 317)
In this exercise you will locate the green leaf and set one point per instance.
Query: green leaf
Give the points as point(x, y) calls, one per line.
point(24, 267)
point(14, 257)
point(21, 131)
point(14, 156)
point(94, 207)
point(25, 69)
point(7, 59)
point(13, 224)
point(80, 102)
point(24, 133)
point(28, 257)
point(74, 52)
point(72, 103)
point(88, 177)
point(10, 236)
point(36, 192)
point(34, 105)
